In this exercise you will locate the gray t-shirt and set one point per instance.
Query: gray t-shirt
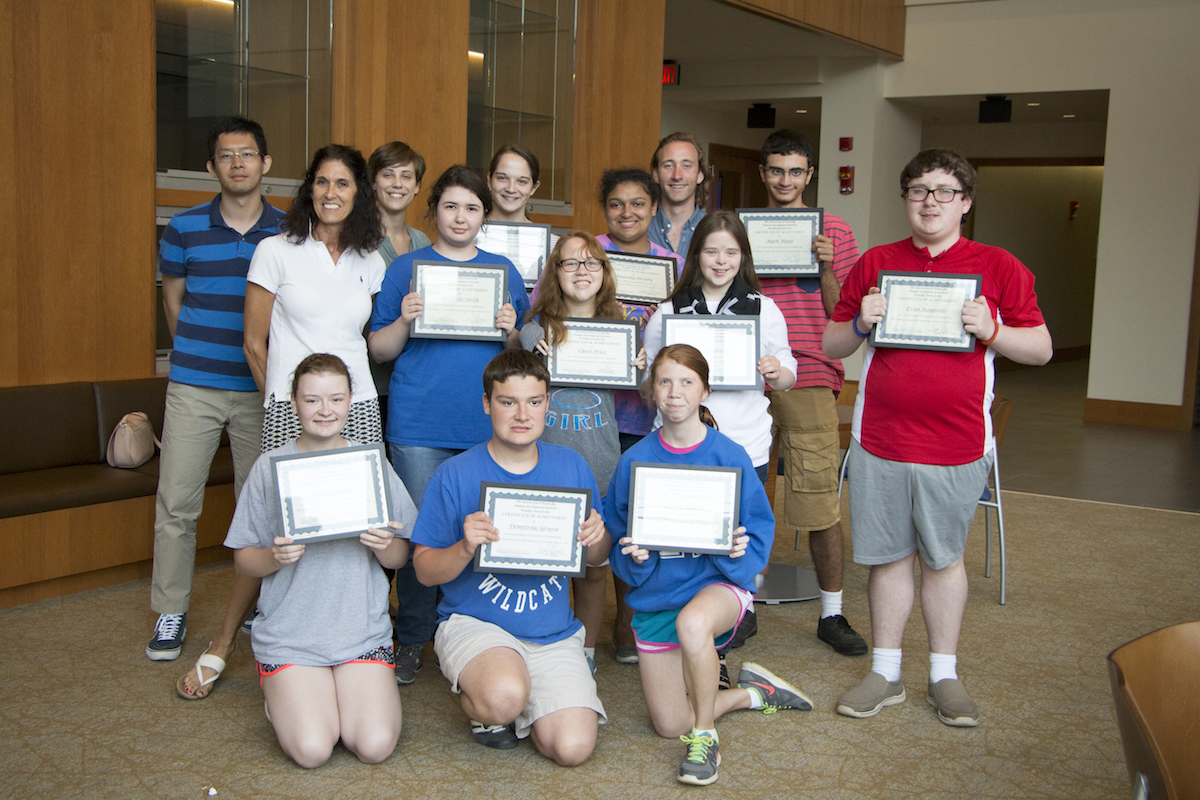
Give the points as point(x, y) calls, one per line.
point(331, 605)
point(584, 420)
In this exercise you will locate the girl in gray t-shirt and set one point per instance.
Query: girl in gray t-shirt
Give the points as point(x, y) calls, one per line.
point(579, 282)
point(323, 638)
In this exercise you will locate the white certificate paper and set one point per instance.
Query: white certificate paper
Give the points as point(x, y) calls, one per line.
point(683, 508)
point(332, 494)
point(730, 345)
point(538, 526)
point(924, 310)
point(526, 244)
point(643, 279)
point(781, 240)
point(597, 353)
point(461, 301)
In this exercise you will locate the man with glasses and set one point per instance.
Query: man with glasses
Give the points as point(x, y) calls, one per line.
point(203, 257)
point(922, 447)
point(806, 414)
point(678, 168)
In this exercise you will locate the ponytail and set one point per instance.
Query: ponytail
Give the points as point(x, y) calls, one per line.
point(708, 419)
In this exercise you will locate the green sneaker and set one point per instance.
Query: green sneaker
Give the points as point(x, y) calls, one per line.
point(699, 767)
point(776, 693)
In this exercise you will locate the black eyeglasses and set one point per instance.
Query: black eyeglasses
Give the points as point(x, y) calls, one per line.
point(572, 264)
point(943, 194)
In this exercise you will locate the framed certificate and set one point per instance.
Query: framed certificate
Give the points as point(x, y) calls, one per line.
point(598, 353)
point(526, 244)
point(461, 300)
point(730, 345)
point(332, 494)
point(538, 528)
point(924, 311)
point(684, 508)
point(644, 280)
point(781, 240)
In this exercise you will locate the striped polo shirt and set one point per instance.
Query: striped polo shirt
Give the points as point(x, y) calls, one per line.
point(800, 301)
point(212, 258)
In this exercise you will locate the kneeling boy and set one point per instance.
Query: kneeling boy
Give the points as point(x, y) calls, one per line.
point(509, 643)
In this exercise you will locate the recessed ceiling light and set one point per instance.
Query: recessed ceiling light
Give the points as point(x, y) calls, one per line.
point(1068, 116)
point(801, 110)
point(1032, 105)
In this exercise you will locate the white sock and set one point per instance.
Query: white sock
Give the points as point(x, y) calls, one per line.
point(590, 652)
point(942, 666)
point(886, 662)
point(831, 604)
point(712, 733)
point(756, 698)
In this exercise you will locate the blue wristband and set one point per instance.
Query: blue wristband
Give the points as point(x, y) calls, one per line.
point(854, 325)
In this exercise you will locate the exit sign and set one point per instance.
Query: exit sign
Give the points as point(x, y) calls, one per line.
point(670, 74)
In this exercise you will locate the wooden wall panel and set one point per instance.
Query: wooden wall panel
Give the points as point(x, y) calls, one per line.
point(878, 24)
point(618, 95)
point(78, 149)
point(400, 72)
point(881, 25)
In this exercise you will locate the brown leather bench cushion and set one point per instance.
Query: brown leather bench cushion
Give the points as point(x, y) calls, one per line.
point(56, 427)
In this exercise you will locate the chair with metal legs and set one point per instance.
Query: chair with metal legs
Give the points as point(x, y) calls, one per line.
point(1002, 409)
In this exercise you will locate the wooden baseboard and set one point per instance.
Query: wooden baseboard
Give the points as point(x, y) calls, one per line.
point(98, 579)
point(1149, 415)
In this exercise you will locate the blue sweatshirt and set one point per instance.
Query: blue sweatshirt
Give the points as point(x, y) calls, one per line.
point(669, 580)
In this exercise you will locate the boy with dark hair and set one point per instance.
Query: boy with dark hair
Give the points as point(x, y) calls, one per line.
point(203, 257)
point(922, 447)
point(509, 643)
point(807, 414)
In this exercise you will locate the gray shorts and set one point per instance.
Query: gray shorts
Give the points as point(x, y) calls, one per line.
point(897, 508)
point(559, 676)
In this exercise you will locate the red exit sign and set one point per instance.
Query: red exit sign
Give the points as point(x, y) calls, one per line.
point(670, 74)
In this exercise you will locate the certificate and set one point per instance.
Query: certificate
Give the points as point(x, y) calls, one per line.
point(538, 526)
point(781, 240)
point(597, 353)
point(684, 508)
point(924, 310)
point(643, 279)
point(729, 344)
point(332, 494)
point(461, 301)
point(526, 244)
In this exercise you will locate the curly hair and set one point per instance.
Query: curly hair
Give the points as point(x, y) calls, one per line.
point(550, 304)
point(362, 231)
point(612, 178)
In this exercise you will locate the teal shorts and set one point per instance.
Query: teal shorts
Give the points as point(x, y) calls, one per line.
point(654, 631)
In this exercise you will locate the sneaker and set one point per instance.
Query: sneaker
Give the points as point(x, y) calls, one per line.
point(837, 633)
point(699, 767)
point(498, 737)
point(408, 662)
point(168, 637)
point(723, 681)
point(248, 623)
point(870, 696)
point(748, 628)
point(954, 706)
point(626, 654)
point(776, 693)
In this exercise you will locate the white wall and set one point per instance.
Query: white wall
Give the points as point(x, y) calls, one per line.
point(1144, 53)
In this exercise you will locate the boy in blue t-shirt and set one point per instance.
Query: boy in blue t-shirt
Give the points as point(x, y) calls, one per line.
point(508, 643)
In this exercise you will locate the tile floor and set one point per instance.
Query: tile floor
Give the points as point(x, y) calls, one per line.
point(1049, 449)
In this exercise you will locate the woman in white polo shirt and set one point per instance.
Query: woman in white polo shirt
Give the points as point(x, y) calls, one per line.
point(309, 290)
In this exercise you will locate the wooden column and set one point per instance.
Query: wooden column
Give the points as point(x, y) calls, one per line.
point(400, 72)
point(77, 99)
point(618, 96)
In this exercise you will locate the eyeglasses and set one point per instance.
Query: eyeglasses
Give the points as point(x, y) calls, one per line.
point(795, 172)
point(572, 264)
point(247, 156)
point(943, 194)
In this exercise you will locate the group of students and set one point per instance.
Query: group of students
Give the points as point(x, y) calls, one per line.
point(342, 261)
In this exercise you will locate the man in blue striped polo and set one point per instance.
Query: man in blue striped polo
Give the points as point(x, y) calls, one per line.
point(203, 256)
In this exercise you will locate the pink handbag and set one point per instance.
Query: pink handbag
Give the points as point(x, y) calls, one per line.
point(132, 442)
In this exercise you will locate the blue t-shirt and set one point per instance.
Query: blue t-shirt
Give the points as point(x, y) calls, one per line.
point(434, 398)
point(669, 580)
point(212, 258)
point(533, 608)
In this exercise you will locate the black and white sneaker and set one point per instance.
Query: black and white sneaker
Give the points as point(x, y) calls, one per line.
point(499, 737)
point(723, 680)
point(167, 641)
